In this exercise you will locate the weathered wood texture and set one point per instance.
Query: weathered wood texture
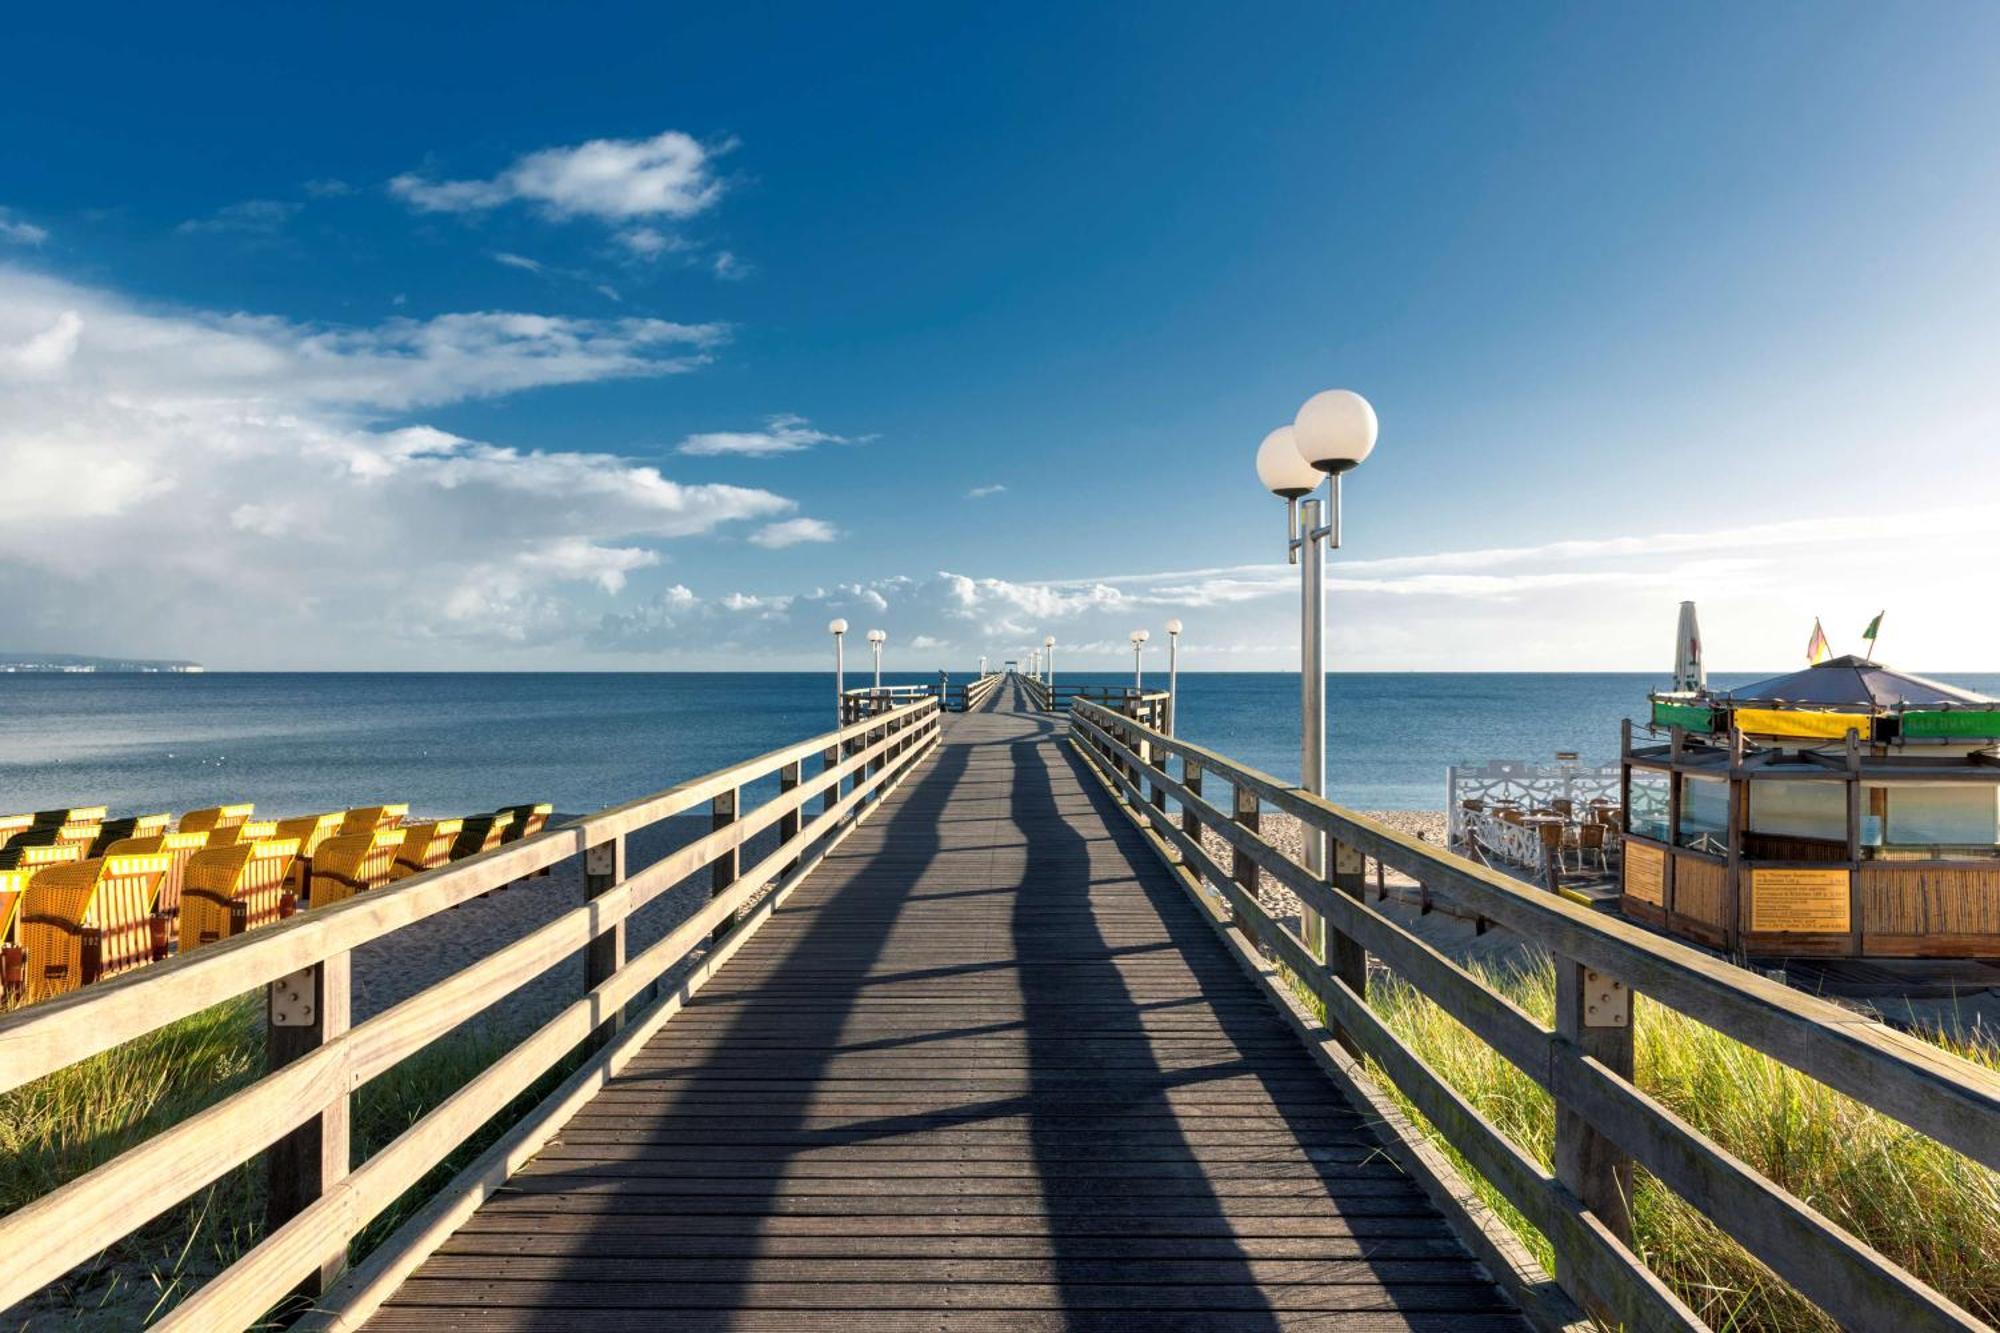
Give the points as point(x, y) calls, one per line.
point(985, 1067)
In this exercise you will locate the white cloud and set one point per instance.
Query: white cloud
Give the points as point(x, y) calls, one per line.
point(251, 217)
point(793, 531)
point(239, 469)
point(20, 233)
point(519, 261)
point(981, 492)
point(327, 187)
point(669, 175)
point(728, 267)
point(783, 434)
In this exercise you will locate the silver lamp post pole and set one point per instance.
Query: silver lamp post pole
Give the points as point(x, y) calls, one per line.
point(838, 628)
point(1049, 665)
point(876, 636)
point(1332, 433)
point(1173, 673)
point(1139, 637)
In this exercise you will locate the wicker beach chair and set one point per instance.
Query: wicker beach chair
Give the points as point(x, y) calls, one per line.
point(177, 847)
point(528, 821)
point(74, 814)
point(312, 831)
point(481, 833)
point(228, 890)
point(352, 863)
point(79, 834)
point(86, 920)
point(33, 856)
point(12, 825)
point(368, 818)
point(250, 830)
point(216, 817)
point(426, 846)
point(128, 826)
point(13, 885)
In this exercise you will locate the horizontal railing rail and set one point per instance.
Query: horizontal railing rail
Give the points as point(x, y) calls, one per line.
point(1604, 1121)
point(296, 1115)
point(963, 698)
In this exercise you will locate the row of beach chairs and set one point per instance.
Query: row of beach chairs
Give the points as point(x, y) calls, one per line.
point(84, 897)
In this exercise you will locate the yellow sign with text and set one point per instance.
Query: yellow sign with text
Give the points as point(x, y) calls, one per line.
point(1810, 901)
point(1646, 874)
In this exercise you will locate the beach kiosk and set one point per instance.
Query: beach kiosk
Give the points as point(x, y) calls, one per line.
point(1846, 810)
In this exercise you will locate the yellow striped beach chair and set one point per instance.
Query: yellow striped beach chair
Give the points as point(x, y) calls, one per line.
point(312, 831)
point(13, 884)
point(128, 826)
point(352, 863)
point(426, 846)
point(481, 833)
point(86, 920)
point(250, 830)
point(177, 847)
point(33, 856)
point(368, 818)
point(216, 817)
point(229, 890)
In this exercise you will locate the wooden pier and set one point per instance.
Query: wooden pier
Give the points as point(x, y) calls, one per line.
point(984, 1035)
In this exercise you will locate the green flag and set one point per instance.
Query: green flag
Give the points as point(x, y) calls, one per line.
point(1874, 627)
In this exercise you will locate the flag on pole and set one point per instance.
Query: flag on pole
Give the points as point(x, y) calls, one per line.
point(1817, 648)
point(1874, 628)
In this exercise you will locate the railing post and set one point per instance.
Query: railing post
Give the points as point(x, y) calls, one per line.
point(603, 871)
point(1191, 779)
point(1344, 954)
point(1244, 871)
point(790, 822)
point(724, 870)
point(302, 1012)
point(1593, 1014)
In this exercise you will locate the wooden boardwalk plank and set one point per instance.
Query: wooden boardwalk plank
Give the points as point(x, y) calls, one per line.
point(984, 1069)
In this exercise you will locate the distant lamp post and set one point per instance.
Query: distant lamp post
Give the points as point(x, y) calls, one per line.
point(1332, 434)
point(1139, 637)
point(982, 665)
point(1173, 672)
point(838, 628)
point(1049, 664)
point(878, 638)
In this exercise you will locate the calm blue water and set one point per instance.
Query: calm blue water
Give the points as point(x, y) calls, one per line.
point(455, 743)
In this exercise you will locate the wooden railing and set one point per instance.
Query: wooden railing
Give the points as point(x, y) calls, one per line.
point(1605, 1123)
point(297, 1114)
point(1037, 692)
point(963, 698)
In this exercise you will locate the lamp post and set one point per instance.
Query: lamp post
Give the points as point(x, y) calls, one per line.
point(877, 637)
point(838, 628)
point(1333, 433)
point(982, 666)
point(1139, 637)
point(1049, 664)
point(1173, 672)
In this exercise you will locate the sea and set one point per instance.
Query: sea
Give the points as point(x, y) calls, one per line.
point(457, 743)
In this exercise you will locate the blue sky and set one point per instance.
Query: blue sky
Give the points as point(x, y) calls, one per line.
point(352, 336)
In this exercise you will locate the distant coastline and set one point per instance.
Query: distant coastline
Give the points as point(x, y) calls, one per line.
point(79, 664)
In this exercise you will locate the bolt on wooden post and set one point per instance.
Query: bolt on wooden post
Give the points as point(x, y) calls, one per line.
point(603, 871)
point(302, 1012)
point(1593, 1014)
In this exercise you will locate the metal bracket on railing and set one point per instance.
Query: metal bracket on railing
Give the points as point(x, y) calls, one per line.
point(601, 859)
point(1606, 1001)
point(291, 1000)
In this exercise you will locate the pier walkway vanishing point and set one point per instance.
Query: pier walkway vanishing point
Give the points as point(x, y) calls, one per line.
point(986, 1068)
point(975, 1028)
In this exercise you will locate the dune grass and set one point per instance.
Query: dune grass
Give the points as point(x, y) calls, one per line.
point(61, 1126)
point(1909, 1197)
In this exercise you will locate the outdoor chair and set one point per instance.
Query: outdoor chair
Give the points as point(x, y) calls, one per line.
point(1552, 845)
point(33, 856)
point(86, 920)
point(368, 818)
point(481, 833)
point(528, 821)
point(128, 826)
point(74, 814)
point(13, 825)
point(1590, 842)
point(311, 831)
point(351, 863)
point(250, 830)
point(13, 884)
point(232, 889)
point(426, 846)
point(216, 817)
point(82, 835)
point(1511, 815)
point(177, 847)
